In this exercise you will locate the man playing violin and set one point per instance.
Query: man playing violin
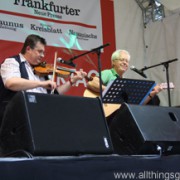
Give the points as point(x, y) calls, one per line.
point(17, 73)
point(32, 54)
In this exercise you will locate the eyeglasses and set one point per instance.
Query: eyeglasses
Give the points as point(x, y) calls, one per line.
point(123, 60)
point(41, 52)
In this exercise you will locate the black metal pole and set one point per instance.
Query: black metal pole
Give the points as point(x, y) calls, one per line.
point(98, 51)
point(166, 65)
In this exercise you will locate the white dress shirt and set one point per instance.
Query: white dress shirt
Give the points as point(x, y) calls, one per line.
point(10, 68)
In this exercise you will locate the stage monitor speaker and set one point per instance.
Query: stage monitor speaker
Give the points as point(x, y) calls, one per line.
point(48, 125)
point(139, 129)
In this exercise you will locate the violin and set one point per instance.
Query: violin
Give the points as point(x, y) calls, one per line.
point(44, 69)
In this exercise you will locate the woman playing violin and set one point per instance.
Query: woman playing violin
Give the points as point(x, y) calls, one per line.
point(31, 55)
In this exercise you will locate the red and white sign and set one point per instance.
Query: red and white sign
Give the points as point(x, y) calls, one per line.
point(70, 27)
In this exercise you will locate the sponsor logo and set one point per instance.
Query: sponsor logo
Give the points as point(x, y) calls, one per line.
point(32, 98)
point(84, 36)
point(48, 6)
point(45, 28)
point(10, 25)
point(47, 14)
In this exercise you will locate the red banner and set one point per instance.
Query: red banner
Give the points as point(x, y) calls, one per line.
point(88, 62)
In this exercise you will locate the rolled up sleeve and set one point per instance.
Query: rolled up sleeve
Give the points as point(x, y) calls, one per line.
point(10, 69)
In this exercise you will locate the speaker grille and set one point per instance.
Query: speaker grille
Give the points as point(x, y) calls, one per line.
point(140, 129)
point(55, 125)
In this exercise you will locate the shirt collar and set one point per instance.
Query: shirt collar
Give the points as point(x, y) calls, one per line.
point(22, 58)
point(114, 72)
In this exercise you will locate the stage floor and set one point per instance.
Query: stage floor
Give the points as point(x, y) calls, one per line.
point(90, 167)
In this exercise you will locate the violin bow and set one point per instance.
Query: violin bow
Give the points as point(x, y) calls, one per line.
point(54, 70)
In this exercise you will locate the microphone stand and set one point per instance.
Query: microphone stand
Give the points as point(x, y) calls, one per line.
point(98, 52)
point(166, 65)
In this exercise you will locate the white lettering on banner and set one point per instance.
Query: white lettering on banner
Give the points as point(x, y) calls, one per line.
point(63, 23)
point(93, 72)
point(83, 81)
point(62, 81)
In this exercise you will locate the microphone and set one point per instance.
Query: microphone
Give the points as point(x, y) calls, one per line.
point(69, 63)
point(140, 72)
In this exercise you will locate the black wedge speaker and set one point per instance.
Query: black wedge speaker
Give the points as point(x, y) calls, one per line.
point(139, 129)
point(47, 125)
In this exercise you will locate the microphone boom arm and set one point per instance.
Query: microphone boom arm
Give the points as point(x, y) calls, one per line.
point(98, 52)
point(92, 50)
point(163, 63)
point(166, 65)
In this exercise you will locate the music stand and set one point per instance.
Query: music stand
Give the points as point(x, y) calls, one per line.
point(131, 91)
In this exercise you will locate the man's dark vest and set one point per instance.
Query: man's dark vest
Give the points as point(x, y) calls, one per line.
point(5, 94)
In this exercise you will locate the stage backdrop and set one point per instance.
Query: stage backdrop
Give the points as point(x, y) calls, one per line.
point(71, 28)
